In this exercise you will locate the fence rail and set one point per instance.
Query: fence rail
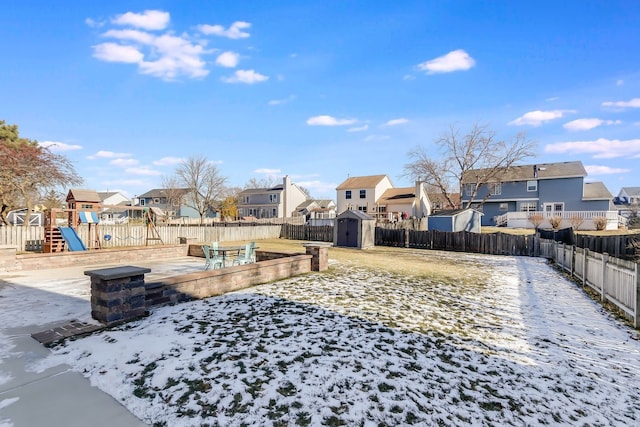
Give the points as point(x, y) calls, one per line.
point(318, 233)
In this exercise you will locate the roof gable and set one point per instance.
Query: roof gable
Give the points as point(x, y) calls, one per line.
point(80, 195)
point(595, 191)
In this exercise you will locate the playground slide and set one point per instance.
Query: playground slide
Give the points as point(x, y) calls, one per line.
point(71, 237)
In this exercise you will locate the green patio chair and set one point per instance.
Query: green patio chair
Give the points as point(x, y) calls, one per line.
point(248, 256)
point(213, 260)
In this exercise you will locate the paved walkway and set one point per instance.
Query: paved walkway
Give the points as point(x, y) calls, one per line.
point(44, 306)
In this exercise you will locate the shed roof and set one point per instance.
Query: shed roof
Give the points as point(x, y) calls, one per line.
point(361, 182)
point(83, 195)
point(595, 191)
point(453, 212)
point(530, 172)
point(355, 214)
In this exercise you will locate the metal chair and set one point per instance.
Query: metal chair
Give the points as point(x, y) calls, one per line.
point(248, 256)
point(212, 260)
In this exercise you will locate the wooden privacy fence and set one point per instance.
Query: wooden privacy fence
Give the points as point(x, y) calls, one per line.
point(617, 281)
point(320, 233)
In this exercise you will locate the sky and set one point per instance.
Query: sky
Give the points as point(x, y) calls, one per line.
point(318, 91)
point(513, 342)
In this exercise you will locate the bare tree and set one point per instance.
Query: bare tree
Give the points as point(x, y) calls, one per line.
point(203, 182)
point(477, 156)
point(173, 192)
point(268, 182)
point(29, 170)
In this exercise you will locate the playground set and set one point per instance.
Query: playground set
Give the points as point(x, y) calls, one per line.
point(83, 208)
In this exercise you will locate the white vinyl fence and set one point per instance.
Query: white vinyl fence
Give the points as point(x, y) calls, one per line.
point(616, 280)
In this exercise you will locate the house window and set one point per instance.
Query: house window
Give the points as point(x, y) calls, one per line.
point(273, 198)
point(362, 208)
point(528, 207)
point(382, 209)
point(274, 212)
point(468, 189)
point(156, 200)
point(86, 206)
point(363, 194)
point(142, 202)
point(532, 185)
point(348, 194)
point(495, 188)
point(504, 207)
point(246, 199)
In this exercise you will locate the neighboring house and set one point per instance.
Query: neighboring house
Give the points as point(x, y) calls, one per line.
point(629, 195)
point(404, 202)
point(548, 189)
point(114, 207)
point(456, 220)
point(171, 201)
point(280, 201)
point(317, 212)
point(360, 193)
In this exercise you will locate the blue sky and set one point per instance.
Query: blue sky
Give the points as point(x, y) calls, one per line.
point(319, 90)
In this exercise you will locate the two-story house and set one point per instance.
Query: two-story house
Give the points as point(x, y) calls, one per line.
point(171, 201)
point(553, 190)
point(361, 193)
point(280, 201)
point(317, 211)
point(114, 207)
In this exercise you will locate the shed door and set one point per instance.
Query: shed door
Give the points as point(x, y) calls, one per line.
point(348, 232)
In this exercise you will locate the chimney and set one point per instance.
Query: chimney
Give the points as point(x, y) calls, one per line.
point(535, 171)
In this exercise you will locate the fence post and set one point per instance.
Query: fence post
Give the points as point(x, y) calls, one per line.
point(585, 254)
point(636, 317)
point(573, 260)
point(605, 258)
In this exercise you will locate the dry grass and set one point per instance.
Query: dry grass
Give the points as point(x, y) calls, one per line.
point(505, 230)
point(418, 262)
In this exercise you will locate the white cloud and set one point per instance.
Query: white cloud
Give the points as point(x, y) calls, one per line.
point(604, 170)
point(329, 121)
point(268, 171)
point(396, 122)
point(601, 148)
point(108, 155)
point(358, 128)
point(148, 20)
point(168, 161)
point(620, 82)
point(177, 56)
point(233, 32)
point(93, 23)
point(245, 76)
point(123, 163)
point(457, 60)
point(228, 59)
point(553, 98)
point(143, 170)
point(113, 52)
point(536, 118)
point(408, 77)
point(633, 103)
point(587, 124)
point(282, 101)
point(59, 146)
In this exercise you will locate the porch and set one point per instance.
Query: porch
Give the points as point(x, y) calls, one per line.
point(580, 220)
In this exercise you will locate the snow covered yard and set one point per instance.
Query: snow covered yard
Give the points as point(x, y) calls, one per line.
point(500, 341)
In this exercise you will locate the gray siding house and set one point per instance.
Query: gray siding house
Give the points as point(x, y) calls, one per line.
point(547, 189)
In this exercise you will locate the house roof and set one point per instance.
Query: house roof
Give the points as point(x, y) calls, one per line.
point(631, 191)
point(397, 195)
point(361, 182)
point(83, 195)
point(595, 191)
point(531, 172)
point(453, 212)
point(106, 194)
point(162, 192)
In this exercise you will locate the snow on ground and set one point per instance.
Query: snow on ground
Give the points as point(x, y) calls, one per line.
point(518, 345)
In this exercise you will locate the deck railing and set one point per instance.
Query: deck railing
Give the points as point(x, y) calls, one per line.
point(585, 220)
